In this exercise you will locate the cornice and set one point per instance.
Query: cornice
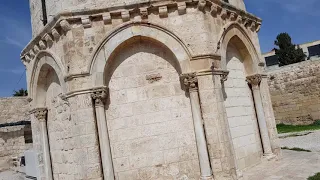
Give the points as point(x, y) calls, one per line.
point(62, 22)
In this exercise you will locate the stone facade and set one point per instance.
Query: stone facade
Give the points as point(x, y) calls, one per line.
point(295, 92)
point(136, 90)
point(13, 139)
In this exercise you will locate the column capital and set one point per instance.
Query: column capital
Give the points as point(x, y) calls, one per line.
point(99, 96)
point(40, 113)
point(254, 80)
point(222, 73)
point(190, 80)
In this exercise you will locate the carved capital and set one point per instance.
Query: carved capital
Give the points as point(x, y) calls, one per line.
point(190, 81)
point(222, 73)
point(40, 113)
point(224, 76)
point(254, 80)
point(99, 96)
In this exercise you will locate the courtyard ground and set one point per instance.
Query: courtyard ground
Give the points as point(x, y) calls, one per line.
point(305, 140)
point(294, 165)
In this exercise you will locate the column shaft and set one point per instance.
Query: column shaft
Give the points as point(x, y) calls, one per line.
point(191, 83)
point(41, 115)
point(255, 81)
point(262, 121)
point(205, 168)
point(46, 149)
point(105, 149)
point(99, 97)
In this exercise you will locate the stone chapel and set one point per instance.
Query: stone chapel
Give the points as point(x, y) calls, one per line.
point(147, 90)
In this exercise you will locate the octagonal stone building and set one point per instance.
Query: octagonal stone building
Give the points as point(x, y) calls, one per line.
point(147, 89)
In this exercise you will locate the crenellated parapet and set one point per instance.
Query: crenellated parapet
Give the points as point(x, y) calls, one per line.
point(62, 23)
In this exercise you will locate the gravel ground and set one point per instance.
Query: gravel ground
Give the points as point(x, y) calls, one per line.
point(309, 142)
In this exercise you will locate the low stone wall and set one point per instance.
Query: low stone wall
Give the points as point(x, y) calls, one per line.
point(295, 92)
point(12, 139)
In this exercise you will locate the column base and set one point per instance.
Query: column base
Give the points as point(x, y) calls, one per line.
point(239, 173)
point(206, 178)
point(269, 157)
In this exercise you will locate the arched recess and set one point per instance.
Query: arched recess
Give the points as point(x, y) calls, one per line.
point(46, 87)
point(242, 41)
point(136, 29)
point(148, 114)
point(241, 60)
point(44, 63)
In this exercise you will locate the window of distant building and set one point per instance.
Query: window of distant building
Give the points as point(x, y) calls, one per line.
point(314, 50)
point(272, 60)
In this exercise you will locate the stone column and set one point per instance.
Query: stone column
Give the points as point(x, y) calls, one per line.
point(191, 83)
point(255, 81)
point(99, 96)
point(41, 115)
point(269, 114)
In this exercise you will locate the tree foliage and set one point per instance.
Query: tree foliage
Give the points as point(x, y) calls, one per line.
point(21, 92)
point(288, 53)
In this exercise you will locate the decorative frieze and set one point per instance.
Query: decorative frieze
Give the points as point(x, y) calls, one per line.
point(214, 10)
point(55, 34)
point(106, 18)
point(254, 80)
point(226, 11)
point(233, 16)
point(144, 13)
point(40, 113)
point(65, 25)
point(182, 7)
point(224, 14)
point(202, 4)
point(99, 96)
point(36, 49)
point(163, 11)
point(42, 45)
point(125, 15)
point(190, 81)
point(86, 22)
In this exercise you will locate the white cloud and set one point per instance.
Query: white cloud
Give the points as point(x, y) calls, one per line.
point(18, 71)
point(14, 42)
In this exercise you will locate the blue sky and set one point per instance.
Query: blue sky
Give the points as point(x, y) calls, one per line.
point(300, 18)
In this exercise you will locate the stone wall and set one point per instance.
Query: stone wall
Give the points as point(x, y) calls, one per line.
point(12, 139)
point(295, 92)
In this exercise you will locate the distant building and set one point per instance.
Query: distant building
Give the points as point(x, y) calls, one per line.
point(311, 49)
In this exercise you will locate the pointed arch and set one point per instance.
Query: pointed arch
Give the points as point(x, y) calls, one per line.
point(44, 62)
point(234, 33)
point(132, 30)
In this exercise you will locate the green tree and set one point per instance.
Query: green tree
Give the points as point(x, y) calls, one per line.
point(288, 53)
point(21, 92)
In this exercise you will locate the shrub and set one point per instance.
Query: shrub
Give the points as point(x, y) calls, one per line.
point(315, 177)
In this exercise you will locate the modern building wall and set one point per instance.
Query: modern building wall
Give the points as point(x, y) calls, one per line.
point(14, 140)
